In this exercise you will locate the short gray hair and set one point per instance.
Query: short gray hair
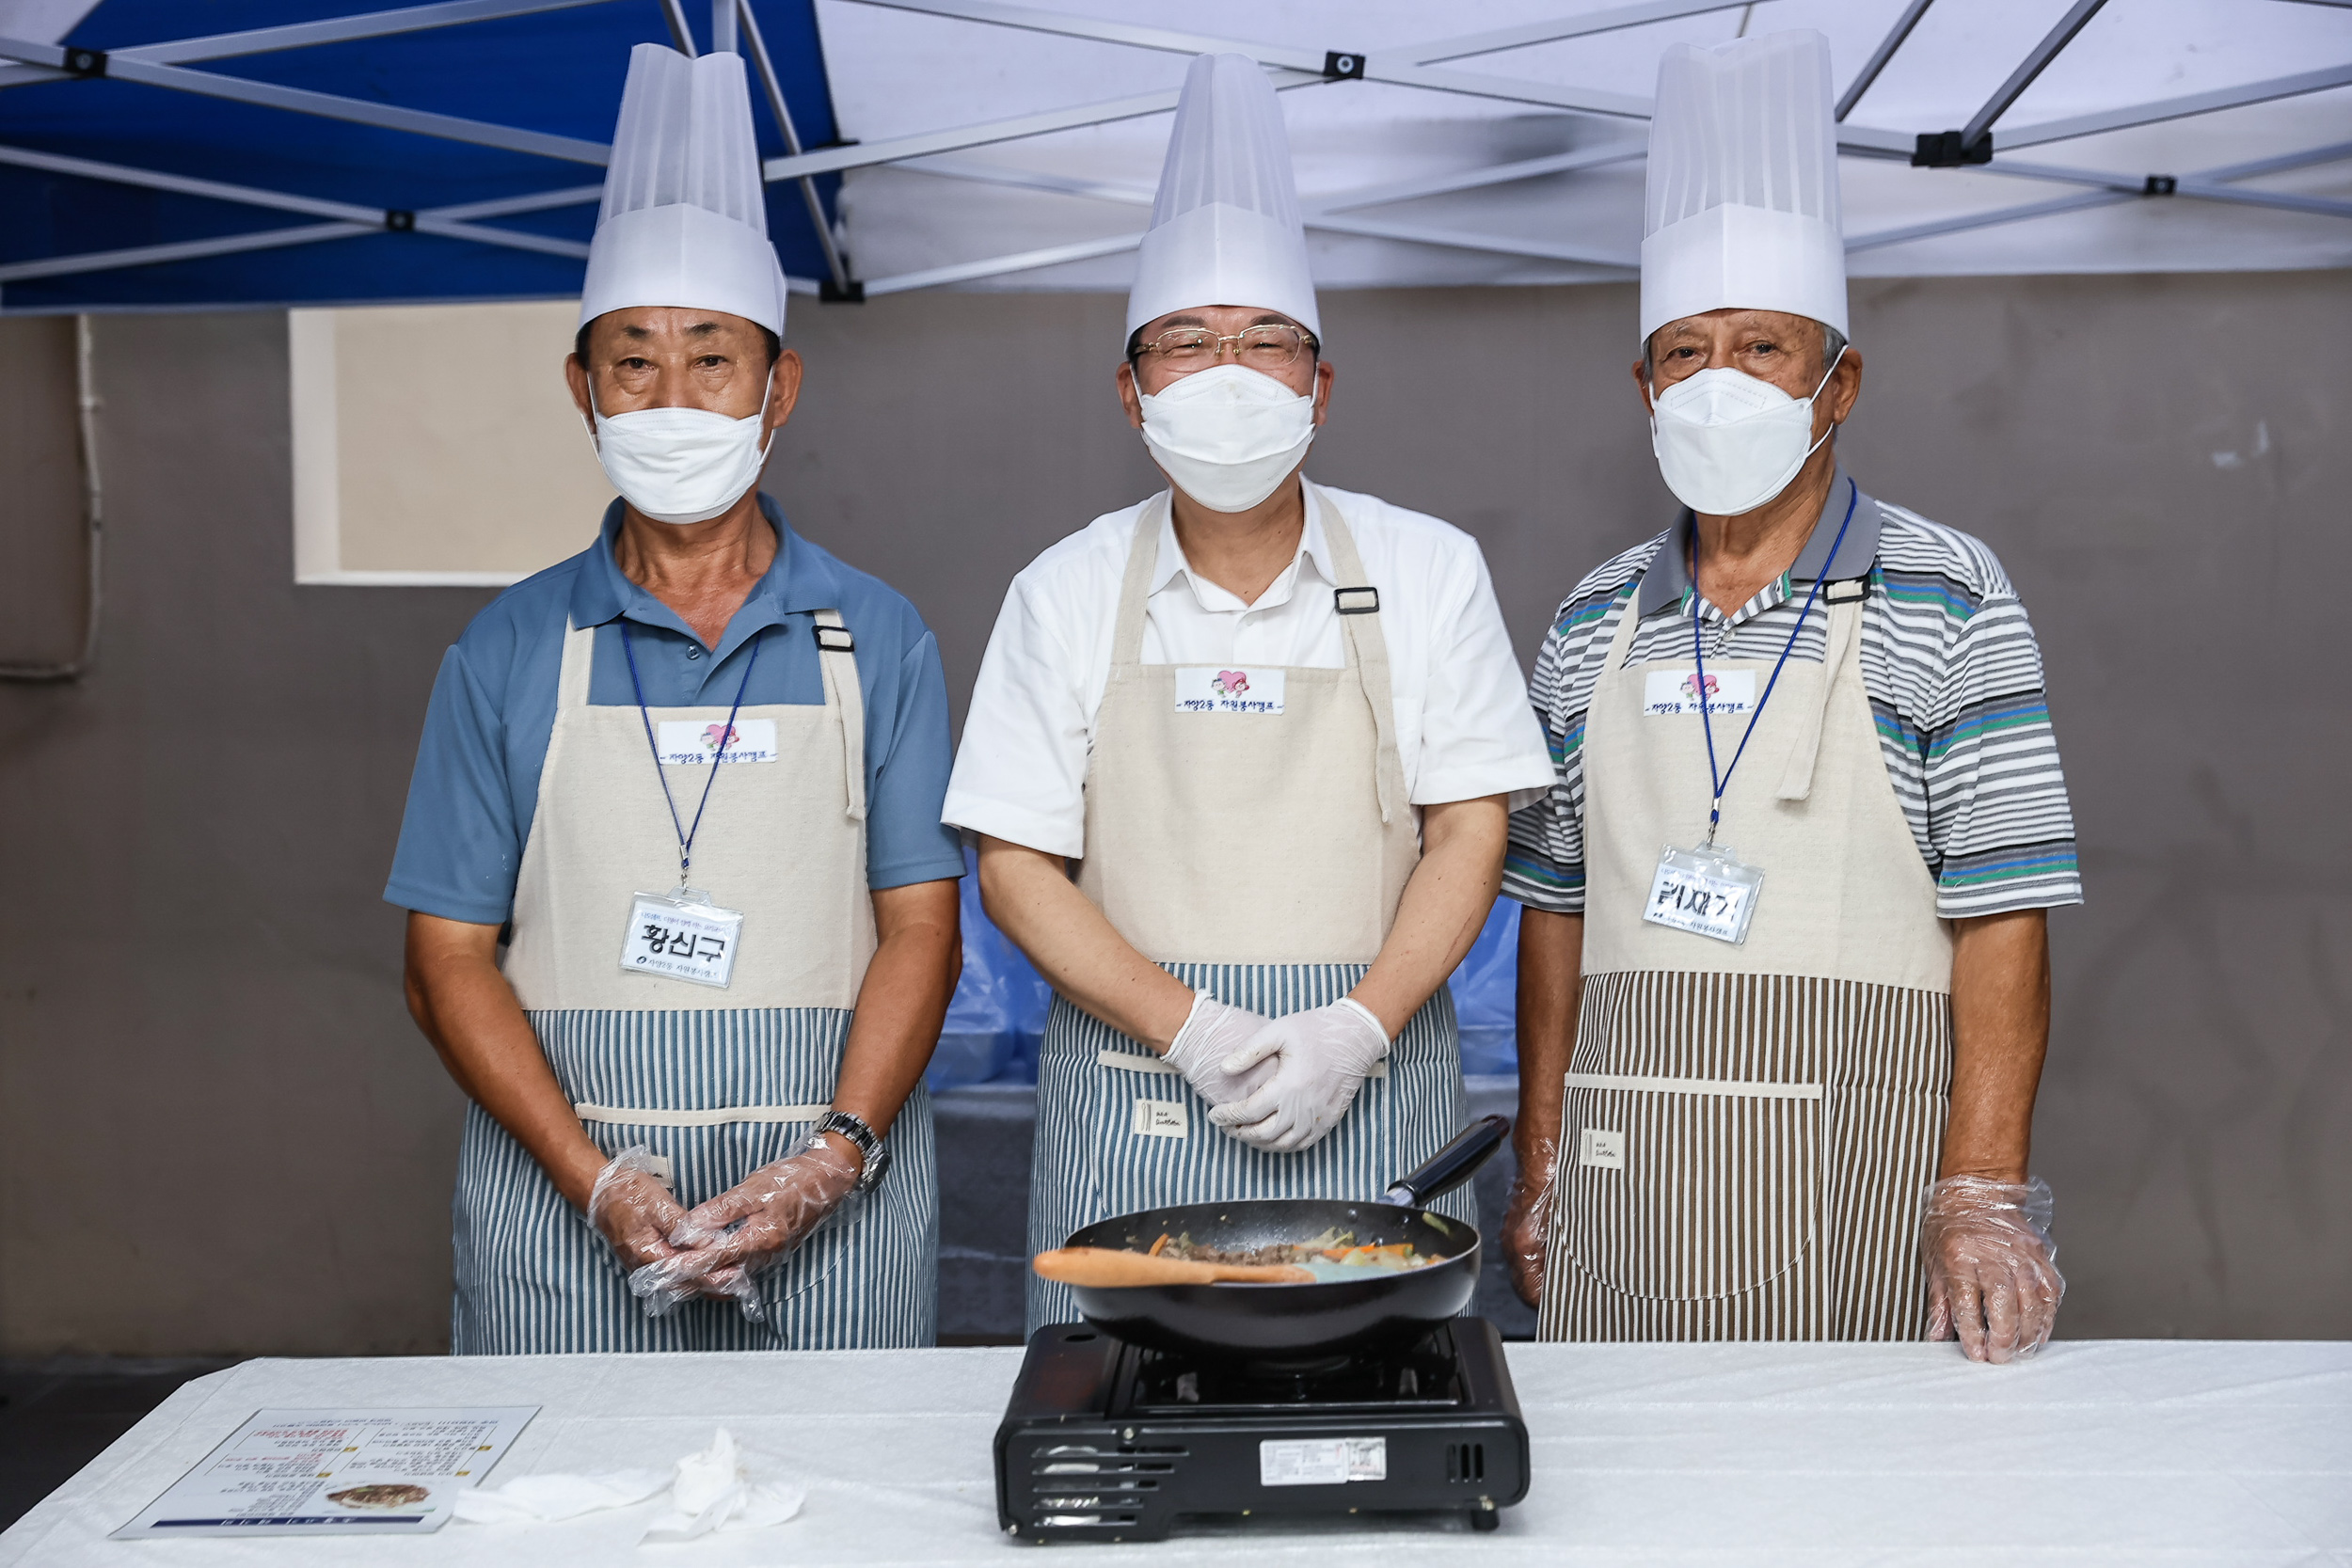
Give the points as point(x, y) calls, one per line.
point(1832, 344)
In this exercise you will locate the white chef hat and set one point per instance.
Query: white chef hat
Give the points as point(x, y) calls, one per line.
point(1225, 227)
point(684, 220)
point(1742, 206)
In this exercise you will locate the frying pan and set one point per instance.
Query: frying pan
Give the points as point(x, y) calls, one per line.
point(1296, 1322)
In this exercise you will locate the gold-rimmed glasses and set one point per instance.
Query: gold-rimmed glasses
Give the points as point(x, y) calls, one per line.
point(1268, 347)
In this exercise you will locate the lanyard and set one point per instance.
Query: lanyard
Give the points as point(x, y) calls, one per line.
point(686, 834)
point(1722, 779)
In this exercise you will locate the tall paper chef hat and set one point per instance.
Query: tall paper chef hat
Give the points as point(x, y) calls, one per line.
point(1225, 228)
point(684, 221)
point(1743, 184)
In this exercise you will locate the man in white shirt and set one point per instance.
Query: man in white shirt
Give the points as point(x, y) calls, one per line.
point(1240, 757)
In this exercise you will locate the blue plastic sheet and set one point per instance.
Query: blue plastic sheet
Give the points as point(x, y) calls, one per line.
point(998, 1013)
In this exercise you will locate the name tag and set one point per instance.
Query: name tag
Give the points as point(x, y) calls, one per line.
point(1666, 694)
point(1707, 892)
point(685, 742)
point(1162, 1118)
point(681, 937)
point(1207, 691)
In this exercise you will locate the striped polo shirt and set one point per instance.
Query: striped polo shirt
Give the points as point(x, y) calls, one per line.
point(1949, 659)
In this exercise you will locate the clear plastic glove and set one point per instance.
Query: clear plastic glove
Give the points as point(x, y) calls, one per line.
point(1527, 1224)
point(1992, 1270)
point(1322, 1058)
point(1212, 1032)
point(748, 1228)
point(636, 1212)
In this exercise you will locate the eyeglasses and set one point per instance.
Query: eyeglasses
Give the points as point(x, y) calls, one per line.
point(1267, 346)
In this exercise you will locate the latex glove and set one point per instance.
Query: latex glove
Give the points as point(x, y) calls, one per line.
point(748, 1228)
point(1992, 1270)
point(1212, 1032)
point(635, 1212)
point(1527, 1224)
point(1322, 1058)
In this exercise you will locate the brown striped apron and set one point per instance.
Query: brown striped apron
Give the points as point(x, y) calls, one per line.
point(1749, 1130)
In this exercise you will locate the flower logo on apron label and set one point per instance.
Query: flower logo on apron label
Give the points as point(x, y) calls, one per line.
point(720, 736)
point(1233, 682)
point(1691, 685)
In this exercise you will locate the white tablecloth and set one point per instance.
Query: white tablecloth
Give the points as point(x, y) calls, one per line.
point(2122, 1452)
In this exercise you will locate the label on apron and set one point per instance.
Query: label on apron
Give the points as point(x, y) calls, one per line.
point(1668, 693)
point(1601, 1147)
point(688, 742)
point(681, 936)
point(1207, 691)
point(1709, 892)
point(1163, 1118)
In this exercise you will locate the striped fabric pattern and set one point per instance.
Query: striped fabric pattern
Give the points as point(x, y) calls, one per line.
point(1091, 1163)
point(534, 1278)
point(1955, 681)
point(1748, 1215)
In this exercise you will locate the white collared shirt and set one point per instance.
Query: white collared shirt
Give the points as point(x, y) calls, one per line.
point(1464, 728)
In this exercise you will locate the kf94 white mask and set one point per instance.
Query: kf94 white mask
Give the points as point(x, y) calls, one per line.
point(681, 465)
point(1728, 443)
point(1227, 435)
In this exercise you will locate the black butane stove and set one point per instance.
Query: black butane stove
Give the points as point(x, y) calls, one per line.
point(1105, 1441)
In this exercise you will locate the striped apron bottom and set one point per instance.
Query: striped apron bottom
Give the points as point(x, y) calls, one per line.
point(1746, 1157)
point(533, 1277)
point(1091, 1163)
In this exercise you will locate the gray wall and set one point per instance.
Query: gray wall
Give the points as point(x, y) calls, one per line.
point(219, 1134)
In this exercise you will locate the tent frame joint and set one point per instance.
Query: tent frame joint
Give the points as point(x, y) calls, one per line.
point(1343, 65)
point(1946, 150)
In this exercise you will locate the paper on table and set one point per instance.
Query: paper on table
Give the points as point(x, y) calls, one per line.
point(335, 1472)
point(709, 1491)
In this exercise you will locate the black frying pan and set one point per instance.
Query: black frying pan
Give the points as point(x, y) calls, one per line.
point(1274, 1322)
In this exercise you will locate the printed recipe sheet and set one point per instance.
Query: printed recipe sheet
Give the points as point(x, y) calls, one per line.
point(334, 1472)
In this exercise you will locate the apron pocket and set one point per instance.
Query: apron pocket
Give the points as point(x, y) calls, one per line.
point(1683, 1189)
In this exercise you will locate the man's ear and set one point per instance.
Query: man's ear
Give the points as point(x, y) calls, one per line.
point(784, 389)
point(1324, 374)
point(575, 377)
point(1130, 395)
point(1641, 385)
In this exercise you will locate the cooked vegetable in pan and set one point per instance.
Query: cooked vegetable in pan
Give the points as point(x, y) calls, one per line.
point(1332, 1250)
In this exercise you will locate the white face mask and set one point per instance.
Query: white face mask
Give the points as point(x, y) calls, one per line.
point(1728, 443)
point(681, 465)
point(1227, 435)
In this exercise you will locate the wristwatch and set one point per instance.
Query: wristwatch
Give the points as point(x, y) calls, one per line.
point(869, 1143)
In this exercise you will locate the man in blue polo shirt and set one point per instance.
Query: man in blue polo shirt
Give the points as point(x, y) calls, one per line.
point(683, 914)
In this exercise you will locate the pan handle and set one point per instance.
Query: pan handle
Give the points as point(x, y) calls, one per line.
point(1452, 1165)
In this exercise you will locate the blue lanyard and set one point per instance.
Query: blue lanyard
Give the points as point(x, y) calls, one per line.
point(1722, 779)
point(686, 834)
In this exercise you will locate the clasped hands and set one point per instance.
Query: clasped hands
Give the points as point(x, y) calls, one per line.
point(1281, 1084)
point(674, 1253)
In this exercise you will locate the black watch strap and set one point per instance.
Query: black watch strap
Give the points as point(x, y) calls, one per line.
point(870, 1145)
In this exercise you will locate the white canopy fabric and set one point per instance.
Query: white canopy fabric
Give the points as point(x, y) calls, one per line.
point(2135, 136)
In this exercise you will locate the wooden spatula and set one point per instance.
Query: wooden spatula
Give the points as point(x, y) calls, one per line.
point(1110, 1266)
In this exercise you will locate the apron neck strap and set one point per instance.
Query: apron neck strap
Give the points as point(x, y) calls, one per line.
point(1135, 590)
point(836, 656)
point(1367, 648)
point(580, 661)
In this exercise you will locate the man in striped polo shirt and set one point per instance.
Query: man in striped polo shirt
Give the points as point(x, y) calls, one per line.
point(1783, 966)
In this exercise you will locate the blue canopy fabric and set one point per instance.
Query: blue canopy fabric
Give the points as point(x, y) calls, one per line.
point(557, 71)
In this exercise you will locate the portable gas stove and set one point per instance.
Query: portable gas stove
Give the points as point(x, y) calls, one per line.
point(1103, 1441)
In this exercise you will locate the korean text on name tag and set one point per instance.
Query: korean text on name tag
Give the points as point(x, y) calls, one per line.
point(1667, 693)
point(1210, 691)
point(689, 742)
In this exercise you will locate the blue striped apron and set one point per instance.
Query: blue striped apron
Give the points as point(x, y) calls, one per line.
point(714, 1091)
point(1748, 1132)
point(1259, 857)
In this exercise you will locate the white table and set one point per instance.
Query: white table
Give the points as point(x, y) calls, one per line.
point(2121, 1452)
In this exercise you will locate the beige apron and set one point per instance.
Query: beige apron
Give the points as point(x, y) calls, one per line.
point(715, 1083)
point(1257, 857)
point(1749, 1130)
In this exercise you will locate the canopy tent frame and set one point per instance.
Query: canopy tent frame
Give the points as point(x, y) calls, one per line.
point(1977, 146)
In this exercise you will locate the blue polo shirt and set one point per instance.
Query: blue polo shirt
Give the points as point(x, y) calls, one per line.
point(476, 784)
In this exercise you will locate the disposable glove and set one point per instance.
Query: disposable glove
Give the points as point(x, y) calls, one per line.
point(632, 1209)
point(1991, 1271)
point(1527, 1224)
point(1212, 1032)
point(748, 1228)
point(1322, 1058)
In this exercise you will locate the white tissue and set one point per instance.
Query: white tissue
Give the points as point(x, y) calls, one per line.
point(712, 1491)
